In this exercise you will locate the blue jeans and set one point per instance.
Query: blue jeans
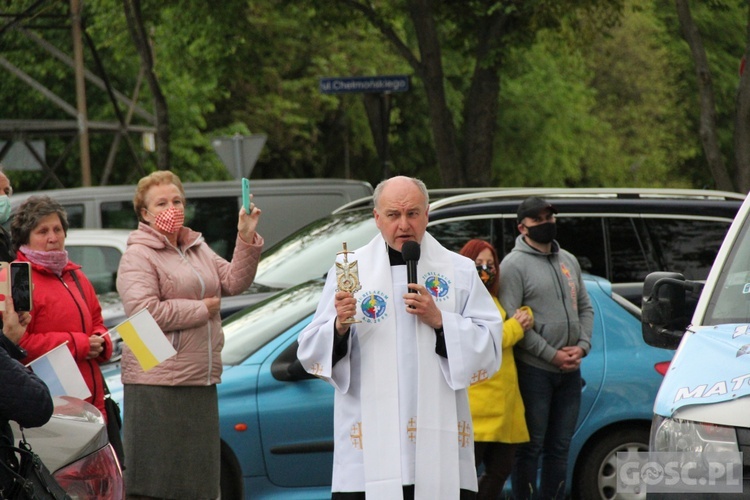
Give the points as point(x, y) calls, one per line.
point(552, 401)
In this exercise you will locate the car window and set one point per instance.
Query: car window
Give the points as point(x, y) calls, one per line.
point(215, 218)
point(75, 214)
point(118, 215)
point(581, 236)
point(687, 246)
point(584, 238)
point(630, 249)
point(453, 234)
point(310, 252)
point(730, 298)
point(508, 238)
point(246, 333)
point(99, 263)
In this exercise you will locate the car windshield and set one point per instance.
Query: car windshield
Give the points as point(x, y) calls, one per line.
point(310, 252)
point(248, 331)
point(730, 302)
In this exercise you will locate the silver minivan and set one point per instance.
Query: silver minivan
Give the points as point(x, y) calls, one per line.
point(212, 207)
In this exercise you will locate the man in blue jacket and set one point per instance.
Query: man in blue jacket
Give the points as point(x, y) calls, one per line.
point(539, 274)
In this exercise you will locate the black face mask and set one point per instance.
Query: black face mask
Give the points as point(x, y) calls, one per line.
point(543, 233)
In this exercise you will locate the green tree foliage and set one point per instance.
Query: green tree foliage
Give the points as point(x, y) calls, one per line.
point(722, 24)
point(636, 86)
point(543, 93)
point(482, 34)
point(593, 107)
point(274, 90)
point(546, 127)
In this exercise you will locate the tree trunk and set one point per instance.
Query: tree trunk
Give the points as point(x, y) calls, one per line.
point(481, 106)
point(142, 45)
point(708, 133)
point(431, 73)
point(742, 122)
point(429, 69)
point(480, 123)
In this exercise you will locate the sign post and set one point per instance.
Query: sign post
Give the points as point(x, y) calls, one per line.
point(375, 88)
point(239, 153)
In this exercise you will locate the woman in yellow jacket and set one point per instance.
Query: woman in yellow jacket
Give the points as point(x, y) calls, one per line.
point(496, 406)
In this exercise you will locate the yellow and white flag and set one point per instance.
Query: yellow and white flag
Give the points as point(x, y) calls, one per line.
point(144, 337)
point(59, 371)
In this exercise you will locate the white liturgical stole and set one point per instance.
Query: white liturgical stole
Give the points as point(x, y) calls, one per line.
point(436, 425)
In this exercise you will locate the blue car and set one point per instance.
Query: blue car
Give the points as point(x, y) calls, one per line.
point(277, 421)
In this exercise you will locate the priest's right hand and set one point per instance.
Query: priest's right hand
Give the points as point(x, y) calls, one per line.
point(346, 307)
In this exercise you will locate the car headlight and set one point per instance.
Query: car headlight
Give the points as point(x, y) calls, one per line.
point(702, 453)
point(688, 436)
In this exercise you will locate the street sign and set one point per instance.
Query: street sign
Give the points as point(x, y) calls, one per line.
point(239, 153)
point(20, 157)
point(366, 84)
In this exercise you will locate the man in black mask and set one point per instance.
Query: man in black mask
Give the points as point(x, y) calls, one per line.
point(541, 275)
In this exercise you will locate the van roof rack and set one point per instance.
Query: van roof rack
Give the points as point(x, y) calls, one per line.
point(521, 193)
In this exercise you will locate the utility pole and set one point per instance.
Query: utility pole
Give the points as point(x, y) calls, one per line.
point(83, 125)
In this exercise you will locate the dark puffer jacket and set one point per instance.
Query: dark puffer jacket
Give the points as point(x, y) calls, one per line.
point(23, 398)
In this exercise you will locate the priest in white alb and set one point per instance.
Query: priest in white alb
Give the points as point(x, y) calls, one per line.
point(402, 426)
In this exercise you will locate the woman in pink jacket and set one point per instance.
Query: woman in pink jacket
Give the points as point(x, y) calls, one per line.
point(171, 418)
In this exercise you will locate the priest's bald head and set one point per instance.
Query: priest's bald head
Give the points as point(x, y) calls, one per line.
point(401, 207)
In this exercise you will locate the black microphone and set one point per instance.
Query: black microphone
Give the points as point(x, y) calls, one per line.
point(410, 251)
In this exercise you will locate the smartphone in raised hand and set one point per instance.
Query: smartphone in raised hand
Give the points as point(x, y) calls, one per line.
point(246, 194)
point(4, 283)
point(20, 285)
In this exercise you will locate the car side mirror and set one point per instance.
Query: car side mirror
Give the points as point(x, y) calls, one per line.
point(287, 368)
point(665, 313)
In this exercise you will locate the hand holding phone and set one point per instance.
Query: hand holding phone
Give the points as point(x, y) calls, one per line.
point(246, 195)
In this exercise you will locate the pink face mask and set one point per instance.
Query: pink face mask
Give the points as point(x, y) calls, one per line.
point(170, 220)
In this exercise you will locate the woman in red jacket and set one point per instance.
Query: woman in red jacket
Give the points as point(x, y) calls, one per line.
point(64, 303)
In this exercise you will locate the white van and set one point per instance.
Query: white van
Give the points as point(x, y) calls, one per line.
point(212, 207)
point(703, 404)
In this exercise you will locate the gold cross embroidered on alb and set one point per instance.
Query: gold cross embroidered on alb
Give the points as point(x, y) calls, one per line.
point(479, 376)
point(356, 435)
point(411, 429)
point(464, 433)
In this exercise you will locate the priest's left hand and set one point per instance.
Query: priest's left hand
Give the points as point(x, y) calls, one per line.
point(421, 305)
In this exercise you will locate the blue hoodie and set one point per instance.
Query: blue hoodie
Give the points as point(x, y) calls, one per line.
point(551, 285)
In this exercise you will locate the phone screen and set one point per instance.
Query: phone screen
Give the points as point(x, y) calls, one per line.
point(246, 194)
point(20, 285)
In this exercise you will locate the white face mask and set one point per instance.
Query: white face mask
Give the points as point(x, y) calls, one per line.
point(4, 209)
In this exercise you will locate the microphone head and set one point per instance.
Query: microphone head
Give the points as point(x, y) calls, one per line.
point(410, 251)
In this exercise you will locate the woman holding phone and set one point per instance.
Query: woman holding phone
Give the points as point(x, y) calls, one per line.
point(63, 301)
point(172, 410)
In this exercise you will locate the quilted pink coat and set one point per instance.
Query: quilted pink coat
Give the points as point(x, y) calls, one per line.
point(171, 283)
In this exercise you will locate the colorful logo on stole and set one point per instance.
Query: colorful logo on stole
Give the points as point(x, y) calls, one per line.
point(438, 286)
point(373, 306)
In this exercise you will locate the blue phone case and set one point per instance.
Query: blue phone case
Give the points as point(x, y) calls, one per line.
point(246, 194)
